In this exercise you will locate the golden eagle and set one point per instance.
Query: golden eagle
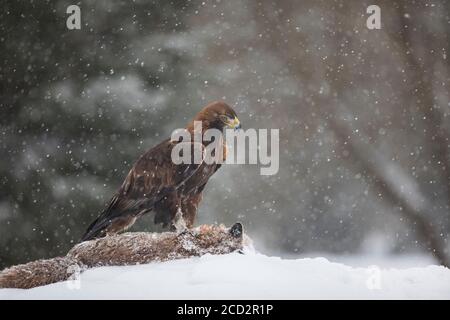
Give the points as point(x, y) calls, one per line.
point(155, 183)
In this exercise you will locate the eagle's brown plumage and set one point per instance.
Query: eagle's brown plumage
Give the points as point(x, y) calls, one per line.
point(156, 184)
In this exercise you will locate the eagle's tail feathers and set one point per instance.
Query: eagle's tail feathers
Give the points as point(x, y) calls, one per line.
point(115, 220)
point(97, 229)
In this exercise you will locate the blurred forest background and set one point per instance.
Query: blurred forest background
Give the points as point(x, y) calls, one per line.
point(364, 117)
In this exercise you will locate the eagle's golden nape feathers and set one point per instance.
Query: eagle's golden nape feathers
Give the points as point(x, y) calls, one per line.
point(216, 115)
point(156, 184)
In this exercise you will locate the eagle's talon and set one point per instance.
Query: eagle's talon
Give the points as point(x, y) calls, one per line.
point(185, 232)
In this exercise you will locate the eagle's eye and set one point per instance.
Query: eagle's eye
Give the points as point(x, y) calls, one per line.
point(225, 119)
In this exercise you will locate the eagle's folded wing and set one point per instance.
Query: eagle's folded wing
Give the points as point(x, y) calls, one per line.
point(152, 177)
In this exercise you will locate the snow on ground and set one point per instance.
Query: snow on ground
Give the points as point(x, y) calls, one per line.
point(249, 276)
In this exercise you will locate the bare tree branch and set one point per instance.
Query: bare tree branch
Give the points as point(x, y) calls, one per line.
point(422, 91)
point(424, 228)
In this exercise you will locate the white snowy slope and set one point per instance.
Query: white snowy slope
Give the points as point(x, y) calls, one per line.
point(250, 276)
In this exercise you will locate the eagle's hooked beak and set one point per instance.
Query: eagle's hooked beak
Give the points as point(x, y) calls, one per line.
point(235, 124)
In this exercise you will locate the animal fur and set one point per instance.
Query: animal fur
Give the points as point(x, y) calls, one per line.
point(126, 249)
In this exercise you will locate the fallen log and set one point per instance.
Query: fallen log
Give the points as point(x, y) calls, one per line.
point(126, 249)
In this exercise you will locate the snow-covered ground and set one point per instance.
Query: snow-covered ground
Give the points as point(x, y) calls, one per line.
point(250, 276)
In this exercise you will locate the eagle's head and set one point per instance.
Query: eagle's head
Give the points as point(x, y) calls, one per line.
point(218, 115)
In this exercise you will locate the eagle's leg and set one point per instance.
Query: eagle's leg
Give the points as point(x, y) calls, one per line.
point(166, 210)
point(178, 223)
point(189, 207)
